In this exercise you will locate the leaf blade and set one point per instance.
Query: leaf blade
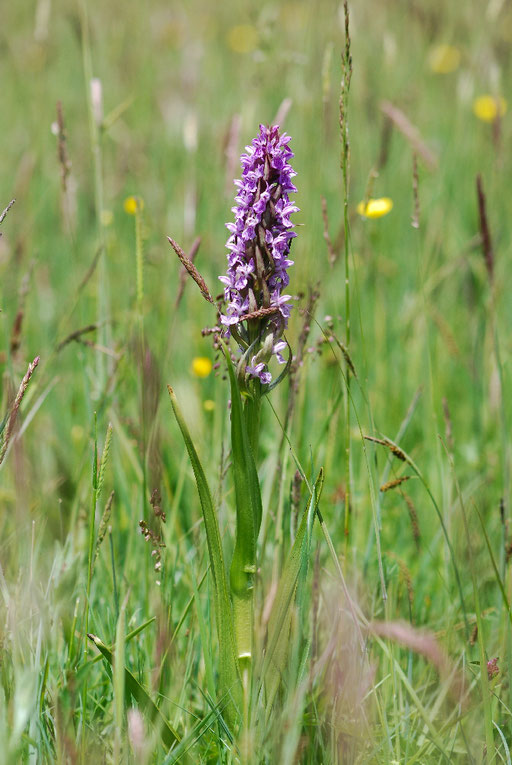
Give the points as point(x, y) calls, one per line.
point(229, 675)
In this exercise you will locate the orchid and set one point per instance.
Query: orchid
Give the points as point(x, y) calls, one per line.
point(255, 309)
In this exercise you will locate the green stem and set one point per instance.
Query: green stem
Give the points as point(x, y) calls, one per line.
point(139, 261)
point(245, 425)
point(90, 552)
point(95, 134)
point(345, 160)
point(243, 601)
point(484, 681)
point(252, 410)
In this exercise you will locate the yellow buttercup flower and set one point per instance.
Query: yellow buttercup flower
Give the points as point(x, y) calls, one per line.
point(487, 107)
point(242, 38)
point(201, 366)
point(132, 205)
point(444, 59)
point(375, 208)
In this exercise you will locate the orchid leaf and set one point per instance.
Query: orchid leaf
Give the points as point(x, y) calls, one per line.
point(229, 675)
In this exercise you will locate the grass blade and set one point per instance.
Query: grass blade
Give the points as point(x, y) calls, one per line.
point(119, 683)
point(499, 580)
point(402, 455)
point(280, 616)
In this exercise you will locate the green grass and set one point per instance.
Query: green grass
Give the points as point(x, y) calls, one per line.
point(430, 346)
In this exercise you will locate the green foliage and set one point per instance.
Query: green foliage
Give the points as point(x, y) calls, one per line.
point(92, 290)
point(229, 676)
point(248, 521)
point(281, 615)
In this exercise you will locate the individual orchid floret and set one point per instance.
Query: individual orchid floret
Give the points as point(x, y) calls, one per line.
point(255, 309)
point(256, 369)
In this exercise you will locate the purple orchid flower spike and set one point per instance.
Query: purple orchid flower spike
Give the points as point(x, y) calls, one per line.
point(255, 309)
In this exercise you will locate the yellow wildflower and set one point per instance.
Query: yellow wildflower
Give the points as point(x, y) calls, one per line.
point(208, 405)
point(444, 59)
point(201, 366)
point(242, 38)
point(487, 107)
point(132, 205)
point(375, 208)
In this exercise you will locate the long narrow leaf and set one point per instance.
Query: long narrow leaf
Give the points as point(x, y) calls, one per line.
point(229, 675)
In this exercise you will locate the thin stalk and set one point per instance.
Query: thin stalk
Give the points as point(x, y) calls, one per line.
point(139, 260)
point(279, 531)
point(92, 515)
point(484, 681)
point(344, 162)
point(119, 684)
point(139, 257)
point(450, 548)
point(141, 345)
point(394, 685)
point(504, 435)
point(98, 478)
point(114, 578)
point(90, 561)
point(96, 149)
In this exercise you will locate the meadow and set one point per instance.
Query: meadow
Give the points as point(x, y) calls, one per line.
point(380, 465)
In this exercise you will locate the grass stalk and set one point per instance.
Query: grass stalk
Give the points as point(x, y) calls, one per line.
point(90, 562)
point(94, 104)
point(345, 169)
point(139, 260)
point(119, 684)
point(484, 681)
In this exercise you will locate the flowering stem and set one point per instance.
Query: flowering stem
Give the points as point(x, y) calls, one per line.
point(255, 314)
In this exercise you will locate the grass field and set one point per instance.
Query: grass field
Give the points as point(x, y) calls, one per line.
point(382, 620)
